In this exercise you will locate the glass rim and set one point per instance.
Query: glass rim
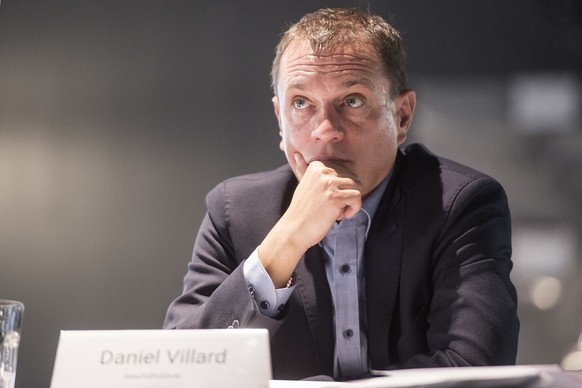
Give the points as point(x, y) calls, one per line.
point(10, 302)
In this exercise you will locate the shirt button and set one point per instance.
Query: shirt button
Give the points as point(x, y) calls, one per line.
point(345, 269)
point(264, 305)
point(348, 333)
point(281, 307)
point(251, 289)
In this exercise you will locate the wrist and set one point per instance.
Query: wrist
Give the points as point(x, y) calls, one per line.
point(279, 254)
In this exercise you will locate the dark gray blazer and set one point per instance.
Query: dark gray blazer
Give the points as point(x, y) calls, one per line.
point(438, 291)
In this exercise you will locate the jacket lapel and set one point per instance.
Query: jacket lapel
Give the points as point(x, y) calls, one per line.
point(316, 299)
point(382, 270)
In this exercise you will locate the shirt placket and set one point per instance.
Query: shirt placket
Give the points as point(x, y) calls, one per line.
point(348, 341)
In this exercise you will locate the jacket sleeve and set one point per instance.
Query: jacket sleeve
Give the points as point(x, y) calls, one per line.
point(215, 294)
point(471, 317)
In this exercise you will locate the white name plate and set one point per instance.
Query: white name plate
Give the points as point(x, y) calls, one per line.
point(163, 358)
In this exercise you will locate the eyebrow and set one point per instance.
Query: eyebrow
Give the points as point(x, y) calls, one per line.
point(296, 85)
point(360, 81)
point(346, 84)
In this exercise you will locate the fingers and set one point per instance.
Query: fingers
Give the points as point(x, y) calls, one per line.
point(349, 212)
point(347, 183)
point(343, 187)
point(352, 203)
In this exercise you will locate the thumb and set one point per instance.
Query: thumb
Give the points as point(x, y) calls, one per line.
point(300, 165)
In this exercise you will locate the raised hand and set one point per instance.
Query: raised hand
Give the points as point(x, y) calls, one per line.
point(327, 192)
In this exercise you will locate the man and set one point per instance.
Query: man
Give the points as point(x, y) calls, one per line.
point(356, 255)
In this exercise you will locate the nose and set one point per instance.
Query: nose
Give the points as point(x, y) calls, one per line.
point(328, 130)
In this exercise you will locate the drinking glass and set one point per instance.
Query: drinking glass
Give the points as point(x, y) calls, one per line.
point(10, 323)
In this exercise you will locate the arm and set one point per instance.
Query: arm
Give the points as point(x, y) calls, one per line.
point(327, 192)
point(215, 290)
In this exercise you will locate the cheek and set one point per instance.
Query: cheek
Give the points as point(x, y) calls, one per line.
point(294, 135)
point(382, 146)
point(288, 145)
point(289, 149)
point(287, 138)
point(390, 132)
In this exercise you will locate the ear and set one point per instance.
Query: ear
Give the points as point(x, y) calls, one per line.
point(405, 104)
point(276, 108)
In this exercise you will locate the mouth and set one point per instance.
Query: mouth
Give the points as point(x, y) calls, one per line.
point(329, 159)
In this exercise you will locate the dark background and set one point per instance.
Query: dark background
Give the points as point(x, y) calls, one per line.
point(116, 118)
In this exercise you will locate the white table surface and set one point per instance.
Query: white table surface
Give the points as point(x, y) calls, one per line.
point(523, 376)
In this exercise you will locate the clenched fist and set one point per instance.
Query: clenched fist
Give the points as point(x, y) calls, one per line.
point(327, 192)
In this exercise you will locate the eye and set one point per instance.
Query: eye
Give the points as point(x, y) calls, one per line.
point(354, 102)
point(299, 103)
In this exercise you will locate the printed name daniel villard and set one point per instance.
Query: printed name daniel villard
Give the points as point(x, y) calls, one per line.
point(179, 356)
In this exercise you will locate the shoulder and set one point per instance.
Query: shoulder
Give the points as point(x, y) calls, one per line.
point(427, 176)
point(254, 185)
point(252, 194)
point(423, 162)
point(263, 179)
point(422, 167)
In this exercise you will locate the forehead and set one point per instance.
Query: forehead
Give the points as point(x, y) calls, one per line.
point(300, 62)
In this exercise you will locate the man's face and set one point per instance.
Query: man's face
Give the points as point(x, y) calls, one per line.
point(335, 107)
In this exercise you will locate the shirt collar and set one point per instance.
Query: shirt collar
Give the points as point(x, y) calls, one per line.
point(372, 201)
point(369, 207)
